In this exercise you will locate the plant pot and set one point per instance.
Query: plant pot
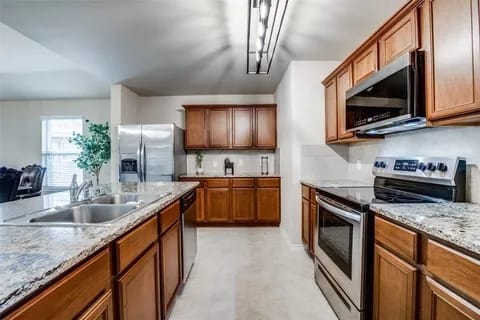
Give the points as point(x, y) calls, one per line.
point(199, 171)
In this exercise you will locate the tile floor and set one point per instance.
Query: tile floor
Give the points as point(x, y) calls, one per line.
point(250, 274)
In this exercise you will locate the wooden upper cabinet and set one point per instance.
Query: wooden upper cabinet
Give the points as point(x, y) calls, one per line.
point(344, 82)
point(196, 128)
point(401, 38)
point(453, 58)
point(266, 127)
point(242, 127)
point(331, 111)
point(394, 287)
point(365, 64)
point(219, 127)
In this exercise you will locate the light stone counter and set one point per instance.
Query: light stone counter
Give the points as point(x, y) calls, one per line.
point(334, 183)
point(237, 175)
point(31, 256)
point(456, 223)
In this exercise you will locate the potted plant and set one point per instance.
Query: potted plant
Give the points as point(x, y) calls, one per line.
point(94, 148)
point(199, 160)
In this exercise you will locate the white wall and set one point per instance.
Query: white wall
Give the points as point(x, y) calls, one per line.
point(301, 138)
point(21, 127)
point(446, 141)
point(169, 109)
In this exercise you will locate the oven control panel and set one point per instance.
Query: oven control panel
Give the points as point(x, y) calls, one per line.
point(419, 168)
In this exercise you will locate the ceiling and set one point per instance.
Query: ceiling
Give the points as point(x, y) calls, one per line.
point(78, 48)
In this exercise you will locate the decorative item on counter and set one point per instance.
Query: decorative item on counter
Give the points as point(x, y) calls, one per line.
point(94, 148)
point(199, 160)
point(228, 167)
point(264, 161)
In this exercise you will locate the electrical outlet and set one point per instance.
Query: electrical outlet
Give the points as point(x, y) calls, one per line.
point(215, 163)
point(240, 163)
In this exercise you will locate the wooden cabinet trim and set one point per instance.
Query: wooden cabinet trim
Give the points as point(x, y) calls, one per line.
point(101, 309)
point(71, 294)
point(454, 268)
point(130, 246)
point(398, 239)
point(169, 216)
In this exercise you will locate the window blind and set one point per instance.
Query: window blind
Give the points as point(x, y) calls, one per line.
point(57, 153)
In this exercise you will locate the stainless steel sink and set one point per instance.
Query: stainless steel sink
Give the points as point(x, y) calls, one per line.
point(125, 198)
point(86, 214)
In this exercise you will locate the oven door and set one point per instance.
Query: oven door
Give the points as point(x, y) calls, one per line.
point(339, 246)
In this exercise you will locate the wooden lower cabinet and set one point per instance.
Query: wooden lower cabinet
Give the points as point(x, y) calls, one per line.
point(217, 205)
point(200, 204)
point(394, 287)
point(171, 264)
point(313, 222)
point(306, 223)
point(268, 204)
point(139, 288)
point(309, 218)
point(443, 304)
point(102, 309)
point(243, 204)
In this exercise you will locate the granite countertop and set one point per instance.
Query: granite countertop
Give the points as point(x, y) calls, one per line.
point(457, 223)
point(334, 183)
point(31, 256)
point(236, 175)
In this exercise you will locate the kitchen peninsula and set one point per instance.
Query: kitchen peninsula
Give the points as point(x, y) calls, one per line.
point(42, 269)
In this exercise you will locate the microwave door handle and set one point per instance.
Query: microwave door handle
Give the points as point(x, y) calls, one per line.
point(337, 211)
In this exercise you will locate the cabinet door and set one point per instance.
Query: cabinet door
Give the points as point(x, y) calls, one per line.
point(139, 288)
point(217, 208)
point(454, 58)
point(331, 111)
point(219, 127)
point(401, 38)
point(268, 204)
point(266, 127)
point(443, 304)
point(394, 287)
point(365, 64)
point(306, 223)
point(313, 222)
point(200, 205)
point(196, 128)
point(243, 204)
point(344, 82)
point(102, 309)
point(171, 264)
point(242, 127)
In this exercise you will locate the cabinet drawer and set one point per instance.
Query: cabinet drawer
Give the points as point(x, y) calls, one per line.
point(130, 246)
point(70, 295)
point(305, 192)
point(458, 270)
point(243, 183)
point(268, 182)
point(218, 183)
point(398, 239)
point(169, 216)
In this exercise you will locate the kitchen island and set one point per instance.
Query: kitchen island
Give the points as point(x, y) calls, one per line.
point(33, 257)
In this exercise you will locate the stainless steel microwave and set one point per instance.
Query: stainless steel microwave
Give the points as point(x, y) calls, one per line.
point(389, 101)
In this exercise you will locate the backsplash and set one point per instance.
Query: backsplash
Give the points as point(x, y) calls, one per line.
point(446, 141)
point(247, 161)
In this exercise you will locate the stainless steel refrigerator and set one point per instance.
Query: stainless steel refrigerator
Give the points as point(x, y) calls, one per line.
point(153, 152)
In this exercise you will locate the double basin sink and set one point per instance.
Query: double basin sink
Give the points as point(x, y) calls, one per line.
point(103, 210)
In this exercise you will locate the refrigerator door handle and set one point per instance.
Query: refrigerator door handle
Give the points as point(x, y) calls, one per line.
point(139, 162)
point(144, 163)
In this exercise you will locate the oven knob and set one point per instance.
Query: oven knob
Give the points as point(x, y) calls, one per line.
point(383, 164)
point(376, 164)
point(422, 166)
point(431, 166)
point(442, 167)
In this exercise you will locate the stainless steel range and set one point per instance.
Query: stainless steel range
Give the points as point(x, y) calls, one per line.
point(344, 230)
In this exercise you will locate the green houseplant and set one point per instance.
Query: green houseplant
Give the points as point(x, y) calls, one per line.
point(199, 160)
point(94, 148)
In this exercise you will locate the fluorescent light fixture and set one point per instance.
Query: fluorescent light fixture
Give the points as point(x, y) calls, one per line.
point(265, 19)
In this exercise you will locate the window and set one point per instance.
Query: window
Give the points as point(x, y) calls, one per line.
point(57, 153)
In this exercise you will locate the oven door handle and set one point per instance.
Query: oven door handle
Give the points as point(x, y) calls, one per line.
point(337, 211)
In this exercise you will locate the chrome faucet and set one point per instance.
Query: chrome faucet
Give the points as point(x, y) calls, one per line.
point(75, 189)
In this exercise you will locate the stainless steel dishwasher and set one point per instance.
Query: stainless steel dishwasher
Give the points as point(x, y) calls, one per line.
point(189, 232)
